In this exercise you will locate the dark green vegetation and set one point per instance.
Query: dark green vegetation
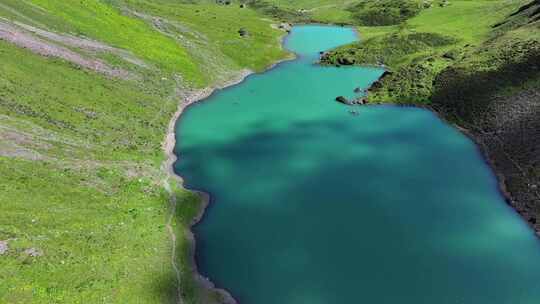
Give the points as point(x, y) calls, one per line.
point(360, 12)
point(480, 70)
point(277, 12)
point(84, 202)
point(384, 12)
point(393, 50)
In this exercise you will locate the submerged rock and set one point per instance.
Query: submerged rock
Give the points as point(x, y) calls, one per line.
point(360, 101)
point(343, 100)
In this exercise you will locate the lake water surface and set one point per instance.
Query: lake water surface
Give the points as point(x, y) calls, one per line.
point(311, 204)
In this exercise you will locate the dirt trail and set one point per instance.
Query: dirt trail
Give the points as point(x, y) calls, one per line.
point(172, 235)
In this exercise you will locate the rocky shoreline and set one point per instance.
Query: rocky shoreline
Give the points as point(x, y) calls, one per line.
point(508, 144)
point(507, 135)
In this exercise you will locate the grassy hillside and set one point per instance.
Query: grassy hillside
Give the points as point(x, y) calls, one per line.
point(352, 12)
point(331, 11)
point(85, 205)
point(417, 50)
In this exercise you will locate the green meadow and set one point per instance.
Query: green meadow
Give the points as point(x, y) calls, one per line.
point(418, 49)
point(86, 206)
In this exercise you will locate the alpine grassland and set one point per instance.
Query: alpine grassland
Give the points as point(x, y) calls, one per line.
point(86, 205)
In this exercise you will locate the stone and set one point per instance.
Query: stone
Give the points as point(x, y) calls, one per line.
point(361, 101)
point(243, 32)
point(3, 247)
point(33, 252)
point(343, 100)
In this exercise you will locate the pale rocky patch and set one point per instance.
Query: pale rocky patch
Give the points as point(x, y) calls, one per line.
point(3, 247)
point(23, 38)
point(83, 43)
point(33, 252)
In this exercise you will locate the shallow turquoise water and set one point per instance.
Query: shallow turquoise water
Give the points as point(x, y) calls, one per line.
point(311, 204)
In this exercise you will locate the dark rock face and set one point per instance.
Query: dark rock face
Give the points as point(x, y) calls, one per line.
point(507, 127)
point(376, 85)
point(357, 101)
point(379, 83)
point(510, 134)
point(386, 74)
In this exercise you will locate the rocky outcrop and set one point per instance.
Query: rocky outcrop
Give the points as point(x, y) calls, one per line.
point(343, 100)
point(356, 101)
point(39, 41)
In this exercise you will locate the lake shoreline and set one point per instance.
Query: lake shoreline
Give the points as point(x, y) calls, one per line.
point(171, 158)
point(168, 147)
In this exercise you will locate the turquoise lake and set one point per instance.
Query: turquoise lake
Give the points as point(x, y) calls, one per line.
point(311, 204)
